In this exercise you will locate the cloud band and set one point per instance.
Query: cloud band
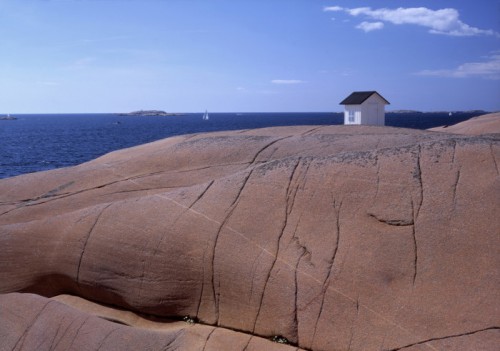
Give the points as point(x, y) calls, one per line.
point(444, 21)
point(489, 69)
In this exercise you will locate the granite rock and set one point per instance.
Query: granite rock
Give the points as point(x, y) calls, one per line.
point(484, 124)
point(334, 238)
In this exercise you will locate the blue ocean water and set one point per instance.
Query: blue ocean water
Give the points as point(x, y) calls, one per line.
point(41, 142)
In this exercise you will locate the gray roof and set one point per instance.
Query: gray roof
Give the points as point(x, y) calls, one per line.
point(358, 97)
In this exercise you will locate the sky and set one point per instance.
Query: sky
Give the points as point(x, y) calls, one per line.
point(100, 56)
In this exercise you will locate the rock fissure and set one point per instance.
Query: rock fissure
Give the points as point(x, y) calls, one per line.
point(209, 167)
point(353, 325)
point(261, 150)
point(106, 337)
point(292, 192)
point(443, 338)
point(232, 207)
point(310, 131)
point(166, 347)
point(142, 277)
point(216, 292)
point(36, 202)
point(415, 247)
point(287, 211)
point(28, 328)
point(248, 343)
point(87, 240)
point(208, 338)
point(415, 257)
point(393, 222)
point(51, 196)
point(494, 159)
point(416, 212)
point(202, 290)
point(240, 191)
point(418, 176)
point(201, 194)
point(54, 347)
point(326, 282)
point(455, 187)
point(377, 162)
point(142, 189)
point(296, 295)
point(54, 337)
point(78, 332)
point(454, 151)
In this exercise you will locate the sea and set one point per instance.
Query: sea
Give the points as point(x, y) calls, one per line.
point(39, 142)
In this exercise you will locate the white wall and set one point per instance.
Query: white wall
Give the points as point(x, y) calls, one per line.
point(373, 111)
point(357, 109)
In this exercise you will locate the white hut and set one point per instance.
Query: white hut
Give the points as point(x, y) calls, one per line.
point(364, 107)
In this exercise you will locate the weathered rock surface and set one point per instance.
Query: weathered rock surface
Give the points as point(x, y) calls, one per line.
point(485, 124)
point(336, 238)
point(32, 322)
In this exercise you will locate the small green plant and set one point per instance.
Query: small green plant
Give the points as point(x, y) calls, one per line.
point(189, 319)
point(280, 339)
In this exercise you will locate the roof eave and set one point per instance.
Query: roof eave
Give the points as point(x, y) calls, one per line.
point(343, 102)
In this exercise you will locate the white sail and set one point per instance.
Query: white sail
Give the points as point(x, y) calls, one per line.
point(205, 116)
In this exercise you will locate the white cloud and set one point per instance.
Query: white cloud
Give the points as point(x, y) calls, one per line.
point(287, 81)
point(333, 8)
point(370, 26)
point(444, 21)
point(489, 69)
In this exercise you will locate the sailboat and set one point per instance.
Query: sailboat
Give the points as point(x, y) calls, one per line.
point(205, 116)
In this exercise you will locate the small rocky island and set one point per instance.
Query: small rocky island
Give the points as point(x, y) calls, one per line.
point(7, 118)
point(150, 113)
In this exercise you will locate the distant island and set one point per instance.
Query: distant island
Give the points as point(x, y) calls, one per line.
point(403, 111)
point(150, 113)
point(414, 111)
point(7, 118)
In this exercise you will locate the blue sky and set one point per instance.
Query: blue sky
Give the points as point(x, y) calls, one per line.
point(59, 56)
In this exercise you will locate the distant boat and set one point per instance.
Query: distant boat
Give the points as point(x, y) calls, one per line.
point(449, 114)
point(205, 116)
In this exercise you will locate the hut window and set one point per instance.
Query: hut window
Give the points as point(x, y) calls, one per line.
point(351, 117)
